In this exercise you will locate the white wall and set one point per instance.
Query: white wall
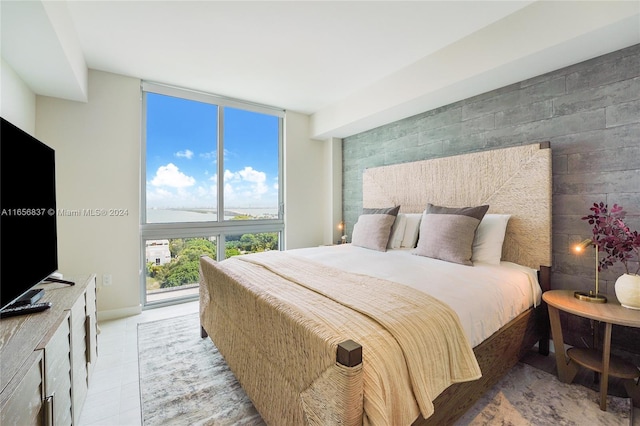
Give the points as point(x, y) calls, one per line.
point(333, 192)
point(17, 100)
point(97, 147)
point(304, 184)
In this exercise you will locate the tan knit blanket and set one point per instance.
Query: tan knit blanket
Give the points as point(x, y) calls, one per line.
point(290, 313)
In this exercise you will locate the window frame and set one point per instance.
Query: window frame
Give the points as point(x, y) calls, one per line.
point(221, 227)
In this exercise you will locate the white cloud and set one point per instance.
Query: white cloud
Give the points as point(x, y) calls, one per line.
point(251, 175)
point(187, 153)
point(211, 155)
point(260, 188)
point(248, 182)
point(160, 197)
point(171, 176)
point(158, 194)
point(247, 187)
point(248, 174)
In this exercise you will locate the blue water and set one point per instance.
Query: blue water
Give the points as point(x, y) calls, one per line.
point(205, 215)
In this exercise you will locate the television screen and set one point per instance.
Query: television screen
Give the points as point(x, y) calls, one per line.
point(28, 235)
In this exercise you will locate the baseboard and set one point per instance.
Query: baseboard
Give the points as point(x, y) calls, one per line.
point(113, 314)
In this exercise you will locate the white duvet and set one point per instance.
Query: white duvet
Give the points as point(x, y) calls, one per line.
point(484, 296)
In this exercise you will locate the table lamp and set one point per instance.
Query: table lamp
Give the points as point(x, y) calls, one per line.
point(591, 296)
point(343, 231)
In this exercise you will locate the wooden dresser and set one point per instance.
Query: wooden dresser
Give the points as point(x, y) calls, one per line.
point(46, 358)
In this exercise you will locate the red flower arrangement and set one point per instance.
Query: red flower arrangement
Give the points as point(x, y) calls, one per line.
point(613, 237)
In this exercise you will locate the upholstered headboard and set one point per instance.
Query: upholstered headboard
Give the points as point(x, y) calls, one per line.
point(515, 181)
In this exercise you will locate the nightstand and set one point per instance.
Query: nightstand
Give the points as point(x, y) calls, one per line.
point(599, 361)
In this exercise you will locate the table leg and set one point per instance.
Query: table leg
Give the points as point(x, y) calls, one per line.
point(606, 355)
point(633, 390)
point(567, 369)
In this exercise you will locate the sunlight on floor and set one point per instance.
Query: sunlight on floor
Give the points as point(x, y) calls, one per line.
point(114, 389)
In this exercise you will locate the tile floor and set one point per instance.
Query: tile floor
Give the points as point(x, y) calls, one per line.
point(114, 391)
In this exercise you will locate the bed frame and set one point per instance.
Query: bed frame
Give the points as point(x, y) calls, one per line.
point(496, 356)
point(515, 180)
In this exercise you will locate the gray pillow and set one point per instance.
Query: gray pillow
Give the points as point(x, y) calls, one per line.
point(372, 231)
point(447, 233)
point(393, 211)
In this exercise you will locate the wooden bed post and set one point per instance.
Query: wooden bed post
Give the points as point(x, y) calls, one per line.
point(349, 353)
point(544, 278)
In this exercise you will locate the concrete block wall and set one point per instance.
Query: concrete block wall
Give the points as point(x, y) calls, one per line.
point(590, 112)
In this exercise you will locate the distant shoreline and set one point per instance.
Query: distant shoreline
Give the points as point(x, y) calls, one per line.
point(202, 214)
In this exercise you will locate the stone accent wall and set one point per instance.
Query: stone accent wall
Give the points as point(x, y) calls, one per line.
point(590, 112)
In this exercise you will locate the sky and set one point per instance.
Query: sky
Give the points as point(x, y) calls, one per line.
point(181, 145)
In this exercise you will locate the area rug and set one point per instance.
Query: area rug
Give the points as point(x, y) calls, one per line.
point(185, 381)
point(529, 396)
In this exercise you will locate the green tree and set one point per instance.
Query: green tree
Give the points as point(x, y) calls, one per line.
point(253, 243)
point(249, 243)
point(196, 247)
point(181, 273)
point(230, 252)
point(269, 241)
point(175, 246)
point(186, 252)
point(153, 269)
point(242, 217)
point(185, 266)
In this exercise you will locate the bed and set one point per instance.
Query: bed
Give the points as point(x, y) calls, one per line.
point(403, 330)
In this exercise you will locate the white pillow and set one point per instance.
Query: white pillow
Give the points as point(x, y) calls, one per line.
point(487, 244)
point(411, 230)
point(397, 231)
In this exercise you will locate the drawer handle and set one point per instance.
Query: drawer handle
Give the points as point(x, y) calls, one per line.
point(48, 410)
point(87, 338)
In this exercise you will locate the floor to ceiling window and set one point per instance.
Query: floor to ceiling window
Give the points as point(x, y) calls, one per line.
point(210, 185)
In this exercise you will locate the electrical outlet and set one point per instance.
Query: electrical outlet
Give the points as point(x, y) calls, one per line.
point(106, 280)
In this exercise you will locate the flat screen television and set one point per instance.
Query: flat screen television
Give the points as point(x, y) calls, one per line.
point(28, 233)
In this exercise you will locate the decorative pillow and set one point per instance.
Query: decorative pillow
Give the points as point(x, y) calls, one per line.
point(372, 231)
point(411, 230)
point(397, 231)
point(487, 246)
point(393, 211)
point(447, 233)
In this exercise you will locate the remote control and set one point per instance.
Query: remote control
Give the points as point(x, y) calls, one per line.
point(24, 309)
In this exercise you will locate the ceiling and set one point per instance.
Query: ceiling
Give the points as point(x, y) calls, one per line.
point(350, 65)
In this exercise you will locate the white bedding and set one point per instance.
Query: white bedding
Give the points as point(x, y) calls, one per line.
point(484, 296)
